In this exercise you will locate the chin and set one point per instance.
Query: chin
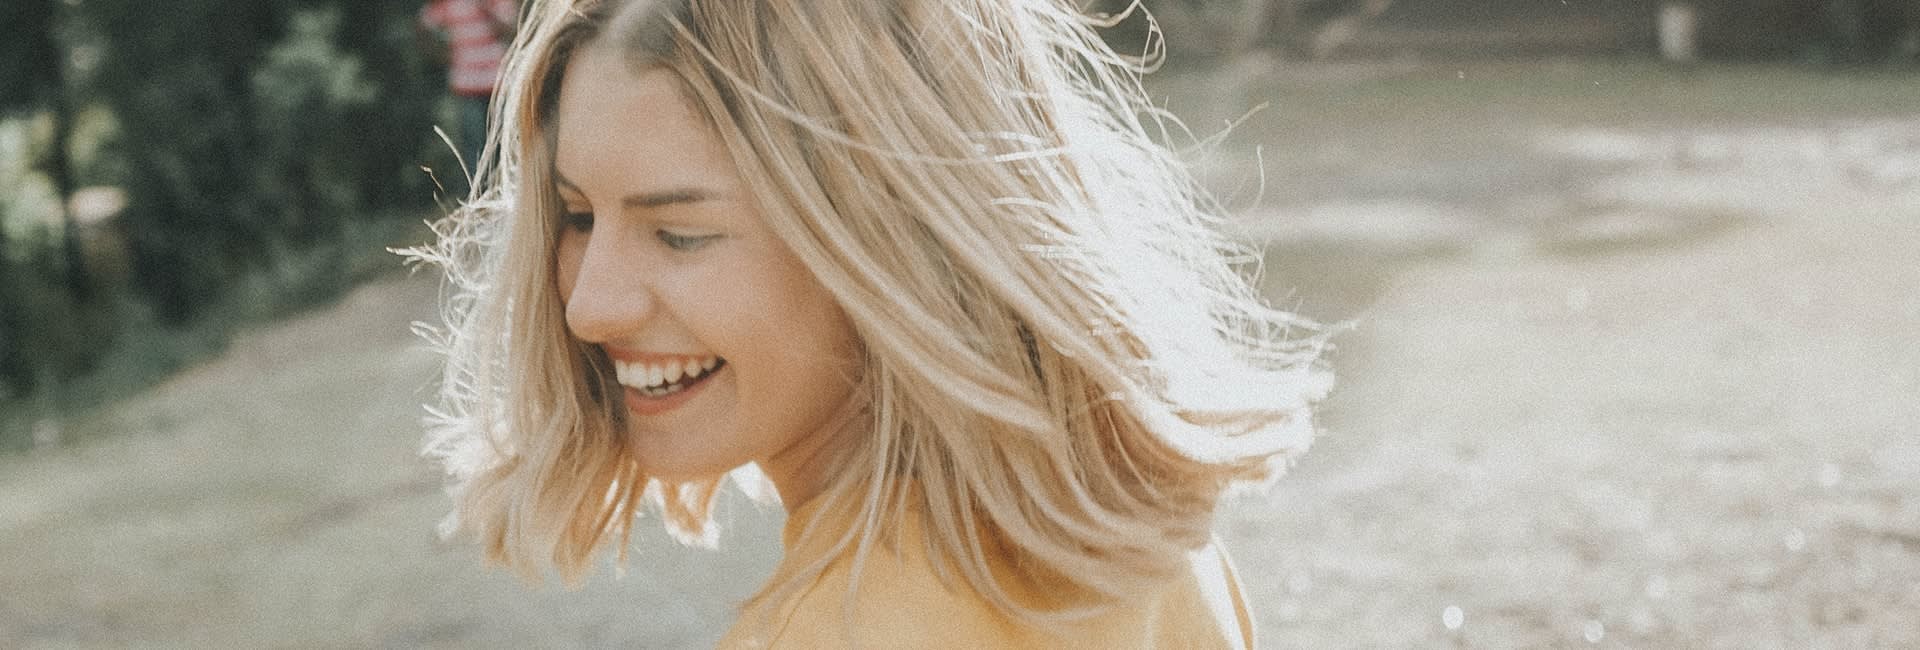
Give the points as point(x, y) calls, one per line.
point(678, 465)
point(685, 475)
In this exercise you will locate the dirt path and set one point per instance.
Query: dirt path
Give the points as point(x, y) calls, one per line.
point(1707, 445)
point(273, 498)
point(1694, 443)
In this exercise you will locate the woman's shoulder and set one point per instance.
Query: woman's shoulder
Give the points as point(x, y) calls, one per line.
point(897, 598)
point(892, 598)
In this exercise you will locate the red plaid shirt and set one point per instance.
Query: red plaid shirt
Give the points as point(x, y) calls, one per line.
point(477, 46)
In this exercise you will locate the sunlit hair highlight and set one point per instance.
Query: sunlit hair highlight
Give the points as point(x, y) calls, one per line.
point(1061, 361)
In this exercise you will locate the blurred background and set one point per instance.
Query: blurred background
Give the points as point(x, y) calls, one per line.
point(1627, 289)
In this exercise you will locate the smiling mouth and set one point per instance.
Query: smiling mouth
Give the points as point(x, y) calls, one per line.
point(661, 379)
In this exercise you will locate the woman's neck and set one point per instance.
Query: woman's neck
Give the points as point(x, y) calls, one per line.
point(803, 469)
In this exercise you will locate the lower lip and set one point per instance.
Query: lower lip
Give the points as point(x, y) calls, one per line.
point(641, 404)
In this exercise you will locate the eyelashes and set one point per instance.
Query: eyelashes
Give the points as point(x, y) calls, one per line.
point(680, 242)
point(582, 223)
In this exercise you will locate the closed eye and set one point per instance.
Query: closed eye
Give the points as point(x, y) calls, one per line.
point(680, 242)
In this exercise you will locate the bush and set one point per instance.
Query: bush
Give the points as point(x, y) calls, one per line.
point(266, 163)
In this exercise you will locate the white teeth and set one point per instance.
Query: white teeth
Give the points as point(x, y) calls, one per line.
point(656, 379)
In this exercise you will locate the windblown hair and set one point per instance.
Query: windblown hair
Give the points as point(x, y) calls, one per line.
point(1060, 358)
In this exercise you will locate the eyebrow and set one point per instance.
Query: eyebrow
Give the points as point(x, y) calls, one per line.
point(652, 199)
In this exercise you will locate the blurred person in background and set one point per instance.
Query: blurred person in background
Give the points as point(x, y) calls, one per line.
point(471, 37)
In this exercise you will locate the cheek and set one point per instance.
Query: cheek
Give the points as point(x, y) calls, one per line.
point(816, 339)
point(806, 347)
point(567, 252)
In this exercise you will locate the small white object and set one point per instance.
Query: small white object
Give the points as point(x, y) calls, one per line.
point(1679, 29)
point(1593, 631)
point(1795, 540)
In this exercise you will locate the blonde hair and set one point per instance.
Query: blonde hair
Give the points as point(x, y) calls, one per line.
point(1059, 355)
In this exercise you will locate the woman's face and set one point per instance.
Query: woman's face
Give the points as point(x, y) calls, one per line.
point(727, 348)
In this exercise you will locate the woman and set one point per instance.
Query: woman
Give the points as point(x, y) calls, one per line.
point(919, 263)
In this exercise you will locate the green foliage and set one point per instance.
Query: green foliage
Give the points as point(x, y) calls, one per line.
point(28, 52)
point(268, 151)
point(261, 137)
point(47, 332)
point(195, 217)
point(306, 80)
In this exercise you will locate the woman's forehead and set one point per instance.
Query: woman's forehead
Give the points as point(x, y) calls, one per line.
point(618, 125)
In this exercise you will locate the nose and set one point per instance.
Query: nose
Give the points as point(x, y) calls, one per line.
point(606, 295)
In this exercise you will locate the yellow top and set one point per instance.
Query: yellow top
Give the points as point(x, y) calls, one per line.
point(900, 603)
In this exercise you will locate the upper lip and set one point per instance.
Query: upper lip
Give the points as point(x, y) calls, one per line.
point(636, 356)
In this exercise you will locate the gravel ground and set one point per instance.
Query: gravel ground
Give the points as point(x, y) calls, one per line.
point(1709, 443)
point(1635, 372)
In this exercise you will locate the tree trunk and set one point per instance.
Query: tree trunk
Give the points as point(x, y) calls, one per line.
point(60, 173)
point(47, 82)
